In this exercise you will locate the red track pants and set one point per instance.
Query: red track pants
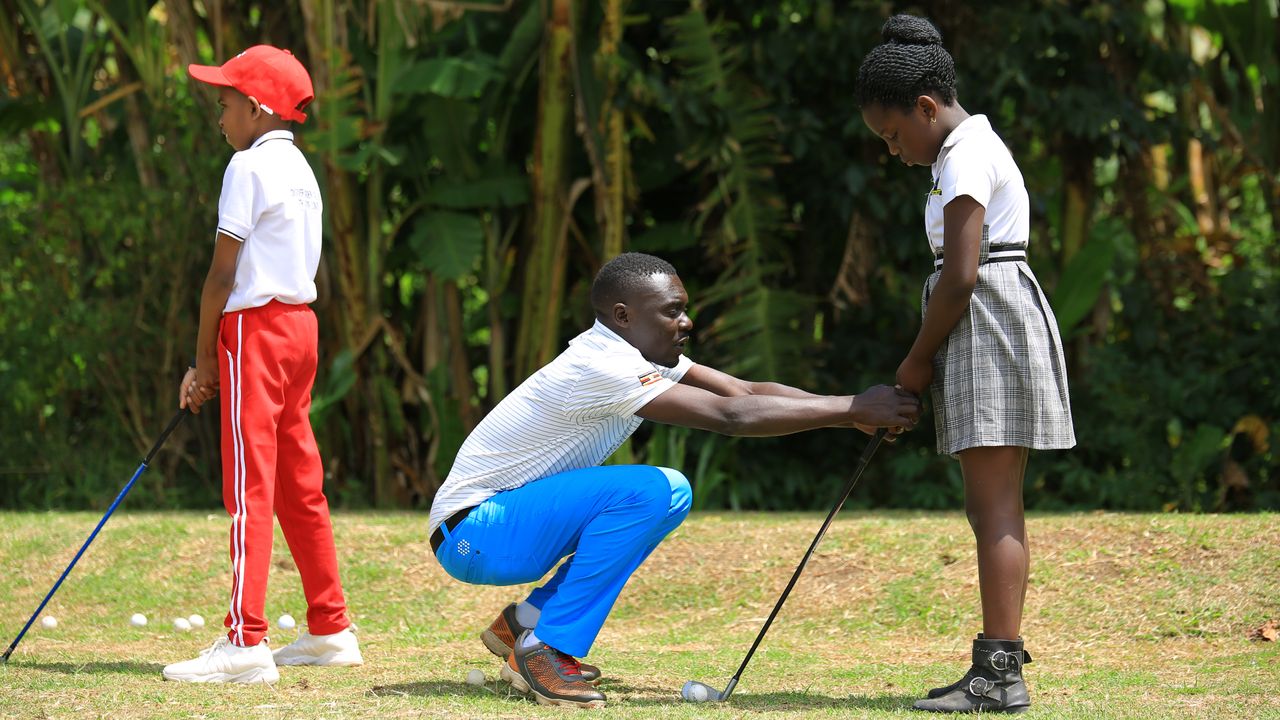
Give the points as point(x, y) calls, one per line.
point(266, 366)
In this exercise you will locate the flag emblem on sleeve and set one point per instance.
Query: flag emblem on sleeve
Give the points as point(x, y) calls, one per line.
point(650, 378)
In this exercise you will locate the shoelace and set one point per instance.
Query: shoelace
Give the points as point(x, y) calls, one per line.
point(569, 665)
point(222, 640)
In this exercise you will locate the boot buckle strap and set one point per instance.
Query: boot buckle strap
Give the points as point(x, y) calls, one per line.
point(1005, 661)
point(981, 687)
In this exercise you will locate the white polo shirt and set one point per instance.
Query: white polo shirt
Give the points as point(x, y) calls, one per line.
point(571, 414)
point(271, 203)
point(975, 162)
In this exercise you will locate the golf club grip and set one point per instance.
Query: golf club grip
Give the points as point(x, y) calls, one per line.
point(164, 435)
point(848, 488)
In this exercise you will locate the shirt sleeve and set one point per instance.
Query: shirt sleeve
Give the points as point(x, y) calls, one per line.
point(238, 204)
point(967, 173)
point(617, 386)
point(674, 374)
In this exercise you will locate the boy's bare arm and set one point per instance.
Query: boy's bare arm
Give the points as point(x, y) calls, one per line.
point(213, 300)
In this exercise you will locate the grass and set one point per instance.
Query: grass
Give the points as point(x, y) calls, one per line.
point(1128, 616)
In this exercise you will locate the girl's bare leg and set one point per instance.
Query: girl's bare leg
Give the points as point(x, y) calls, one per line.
point(993, 501)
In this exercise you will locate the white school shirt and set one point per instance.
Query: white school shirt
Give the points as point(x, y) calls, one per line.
point(975, 162)
point(271, 203)
point(571, 414)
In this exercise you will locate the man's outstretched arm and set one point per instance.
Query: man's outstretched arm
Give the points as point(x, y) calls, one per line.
point(726, 385)
point(690, 404)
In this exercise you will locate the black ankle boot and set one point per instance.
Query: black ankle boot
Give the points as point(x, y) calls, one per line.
point(993, 684)
point(964, 681)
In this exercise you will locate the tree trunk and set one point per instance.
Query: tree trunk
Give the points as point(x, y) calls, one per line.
point(612, 194)
point(356, 242)
point(544, 270)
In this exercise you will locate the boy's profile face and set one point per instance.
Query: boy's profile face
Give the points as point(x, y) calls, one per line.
point(238, 120)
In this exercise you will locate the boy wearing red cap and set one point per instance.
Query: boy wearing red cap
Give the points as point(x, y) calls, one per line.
point(257, 346)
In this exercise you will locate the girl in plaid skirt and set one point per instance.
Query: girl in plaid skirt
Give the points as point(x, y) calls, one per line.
point(988, 348)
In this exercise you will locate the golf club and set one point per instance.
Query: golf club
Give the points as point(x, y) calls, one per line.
point(129, 486)
point(694, 691)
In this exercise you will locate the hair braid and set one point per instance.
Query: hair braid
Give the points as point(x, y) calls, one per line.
point(909, 63)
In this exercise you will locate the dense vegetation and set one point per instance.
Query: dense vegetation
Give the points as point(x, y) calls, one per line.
point(480, 160)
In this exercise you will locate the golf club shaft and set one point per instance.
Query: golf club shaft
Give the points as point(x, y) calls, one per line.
point(844, 495)
point(119, 497)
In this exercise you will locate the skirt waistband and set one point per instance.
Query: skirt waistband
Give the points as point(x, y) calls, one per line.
point(996, 253)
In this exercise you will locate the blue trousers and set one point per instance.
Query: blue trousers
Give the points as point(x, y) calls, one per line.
point(605, 519)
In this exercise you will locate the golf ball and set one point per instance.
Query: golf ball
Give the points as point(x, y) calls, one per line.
point(48, 622)
point(181, 624)
point(475, 677)
point(196, 621)
point(286, 622)
point(698, 693)
point(138, 620)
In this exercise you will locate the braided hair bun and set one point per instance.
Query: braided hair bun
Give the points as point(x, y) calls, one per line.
point(910, 30)
point(909, 63)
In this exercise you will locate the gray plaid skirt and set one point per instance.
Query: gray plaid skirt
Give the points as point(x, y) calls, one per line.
point(999, 378)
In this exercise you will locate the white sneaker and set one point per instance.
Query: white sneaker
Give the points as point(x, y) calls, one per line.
point(340, 649)
point(225, 662)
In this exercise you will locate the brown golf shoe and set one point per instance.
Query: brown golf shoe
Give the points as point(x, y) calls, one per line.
point(551, 676)
point(501, 636)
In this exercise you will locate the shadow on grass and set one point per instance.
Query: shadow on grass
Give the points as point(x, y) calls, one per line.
point(773, 702)
point(70, 668)
point(791, 701)
point(651, 695)
point(437, 688)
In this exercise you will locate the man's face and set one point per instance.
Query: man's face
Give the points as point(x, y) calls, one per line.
point(911, 135)
point(654, 319)
point(237, 119)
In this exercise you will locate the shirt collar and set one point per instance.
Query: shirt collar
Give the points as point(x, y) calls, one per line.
point(603, 330)
point(601, 333)
point(972, 124)
point(272, 135)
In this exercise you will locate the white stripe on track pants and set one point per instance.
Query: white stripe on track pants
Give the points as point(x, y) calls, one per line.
point(271, 466)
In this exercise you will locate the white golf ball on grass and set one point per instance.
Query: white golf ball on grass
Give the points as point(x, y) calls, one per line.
point(286, 622)
point(48, 622)
point(196, 621)
point(181, 624)
point(138, 620)
point(475, 677)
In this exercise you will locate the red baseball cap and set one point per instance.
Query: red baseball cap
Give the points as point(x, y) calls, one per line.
point(271, 75)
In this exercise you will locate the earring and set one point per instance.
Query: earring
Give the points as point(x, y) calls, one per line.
point(933, 120)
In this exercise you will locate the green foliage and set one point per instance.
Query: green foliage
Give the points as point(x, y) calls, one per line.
point(1085, 275)
point(448, 243)
point(758, 328)
point(1145, 133)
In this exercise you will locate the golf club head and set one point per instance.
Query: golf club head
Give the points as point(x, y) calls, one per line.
point(696, 692)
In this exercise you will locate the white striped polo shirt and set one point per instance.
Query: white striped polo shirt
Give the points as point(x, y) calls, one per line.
point(571, 414)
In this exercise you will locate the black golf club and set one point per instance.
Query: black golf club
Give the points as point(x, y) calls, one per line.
point(694, 691)
point(129, 486)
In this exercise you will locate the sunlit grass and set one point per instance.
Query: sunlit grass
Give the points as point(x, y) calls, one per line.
point(1129, 616)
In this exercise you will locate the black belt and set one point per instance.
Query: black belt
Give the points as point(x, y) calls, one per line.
point(1010, 258)
point(450, 522)
point(995, 254)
